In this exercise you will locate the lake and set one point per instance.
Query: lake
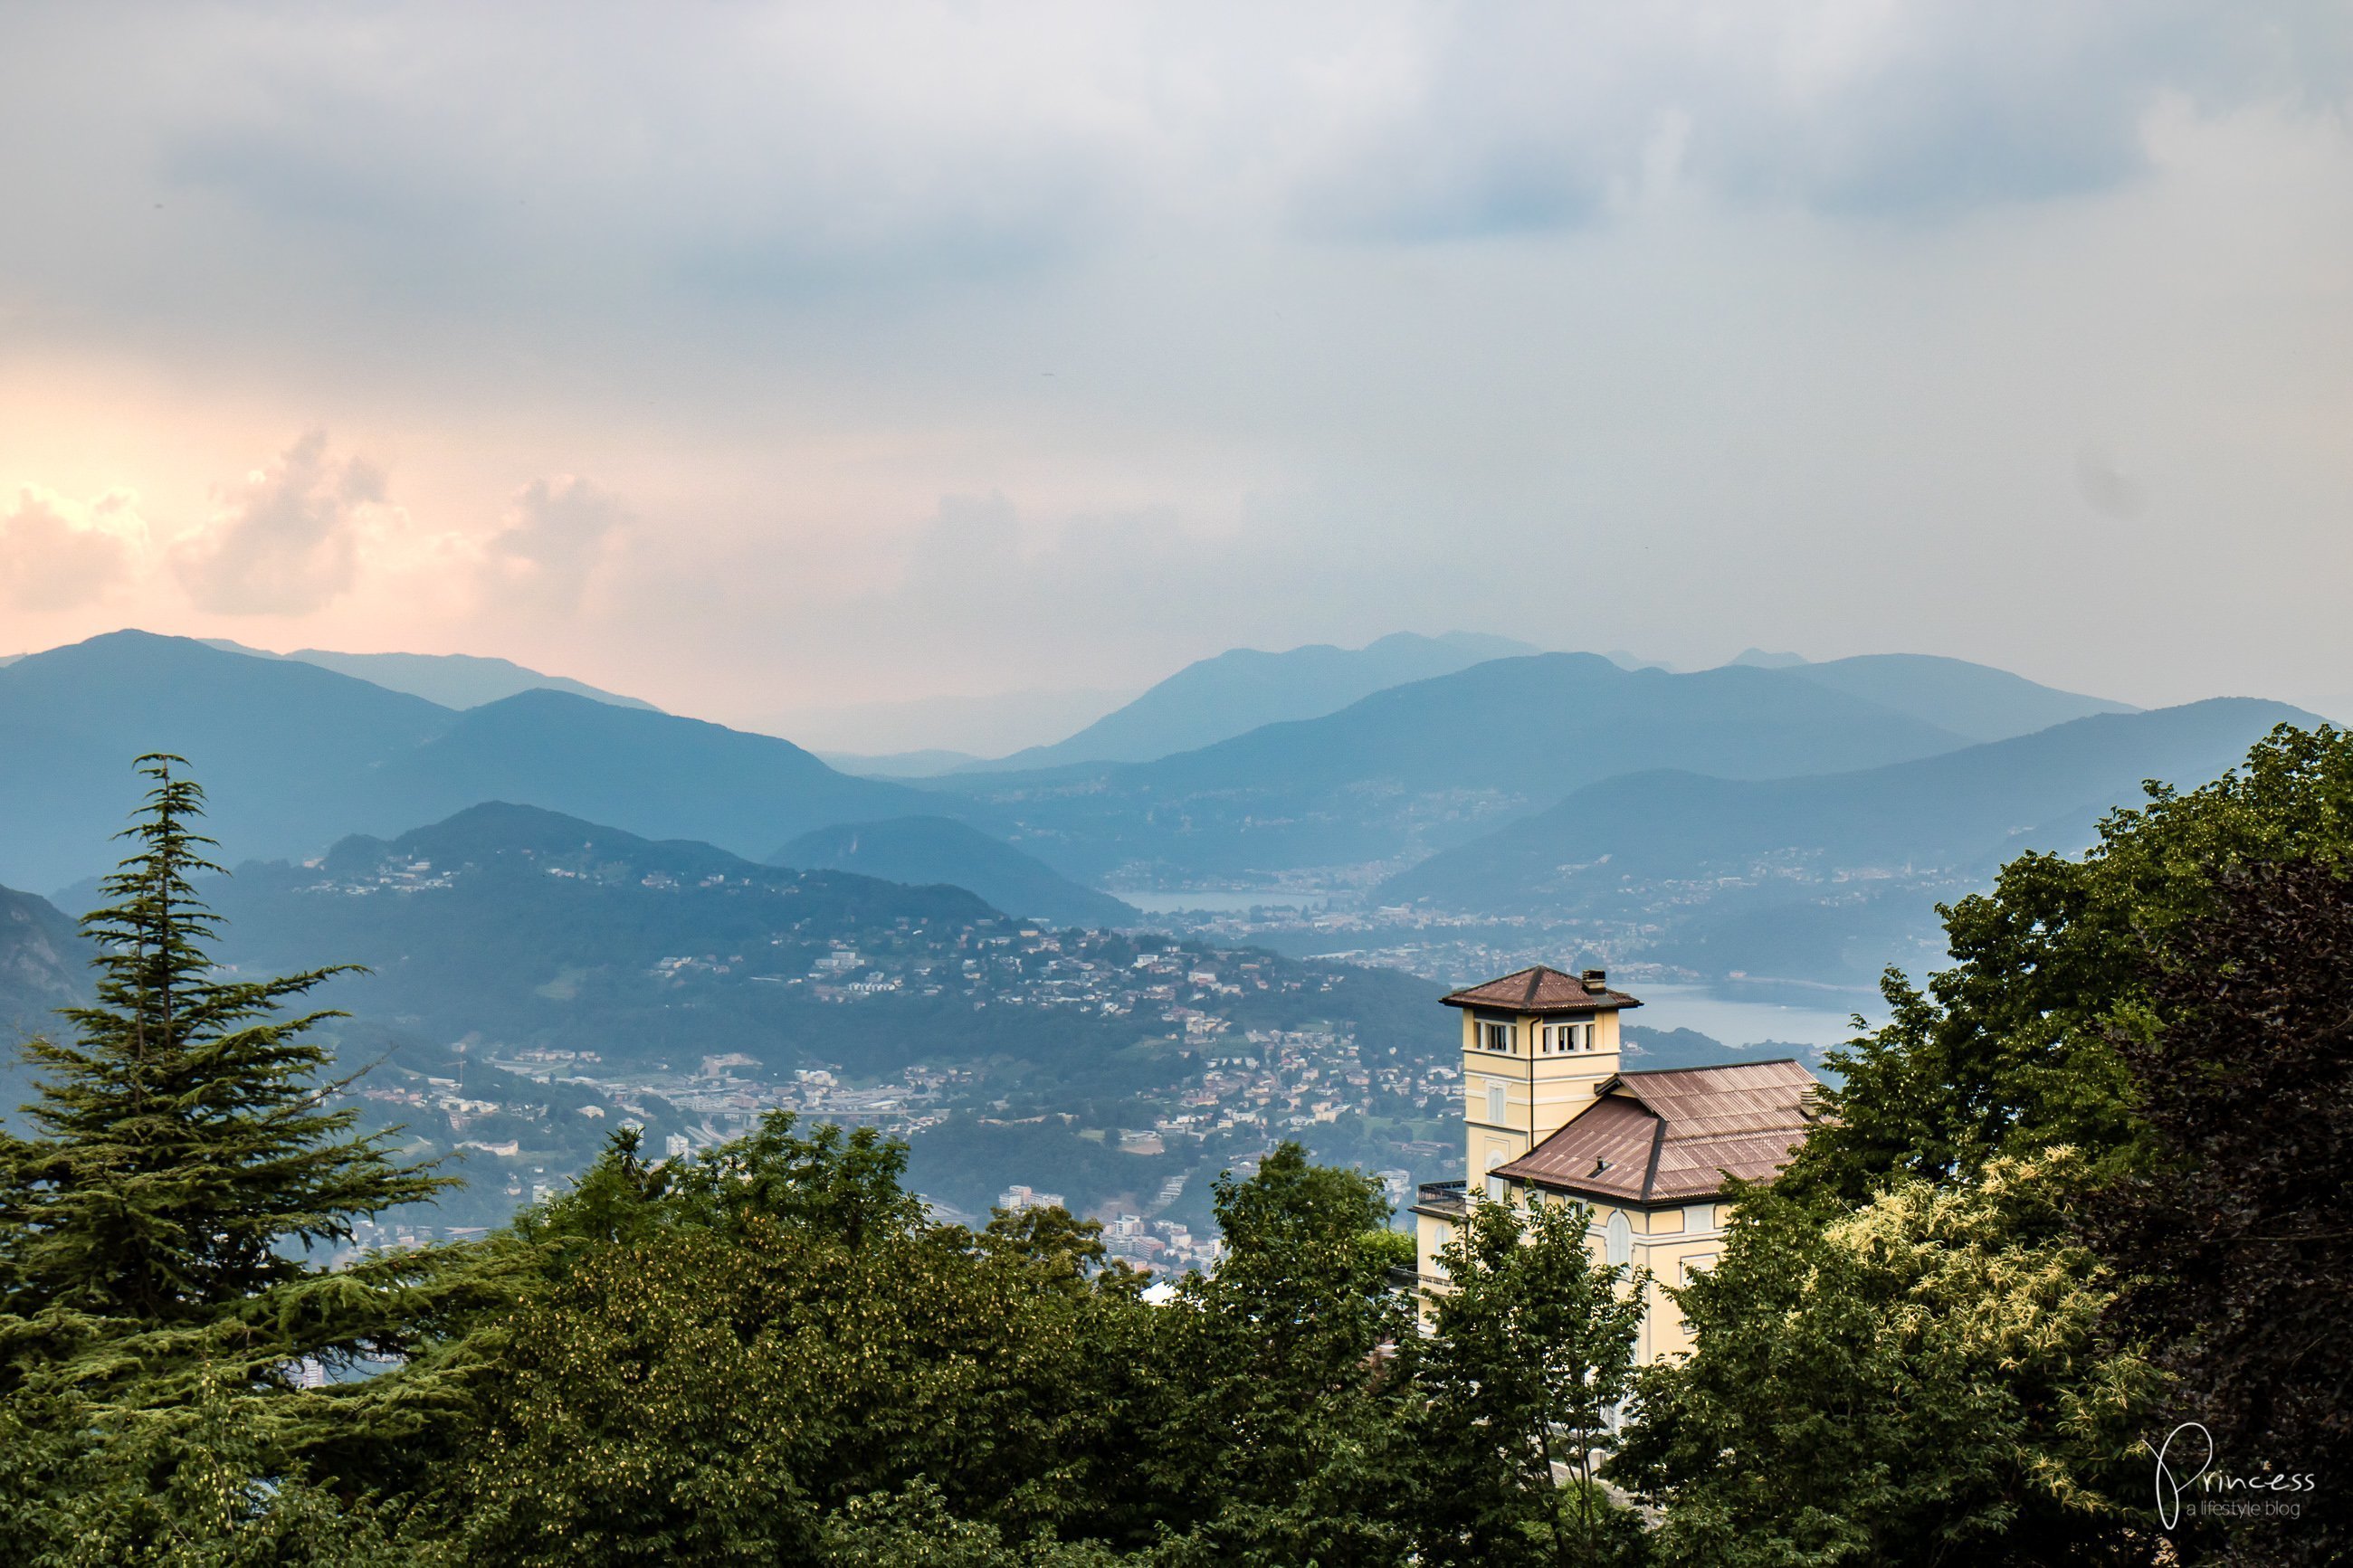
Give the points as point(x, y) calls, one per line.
point(1742, 1023)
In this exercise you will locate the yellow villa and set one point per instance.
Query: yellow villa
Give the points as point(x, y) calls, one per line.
point(1550, 1115)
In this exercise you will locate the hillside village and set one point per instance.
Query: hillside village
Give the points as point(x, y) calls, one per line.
point(1222, 1090)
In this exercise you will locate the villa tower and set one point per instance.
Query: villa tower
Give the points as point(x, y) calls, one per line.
point(1551, 1114)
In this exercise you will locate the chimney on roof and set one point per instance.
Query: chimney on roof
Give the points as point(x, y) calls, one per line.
point(1595, 981)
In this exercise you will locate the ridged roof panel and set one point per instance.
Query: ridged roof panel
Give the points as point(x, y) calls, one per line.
point(1693, 1126)
point(1539, 989)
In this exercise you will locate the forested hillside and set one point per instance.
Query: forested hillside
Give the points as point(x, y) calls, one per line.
point(933, 849)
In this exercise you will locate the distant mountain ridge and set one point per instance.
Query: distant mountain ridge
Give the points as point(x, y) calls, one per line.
point(1972, 699)
point(280, 744)
point(935, 849)
point(511, 926)
point(1829, 876)
point(659, 774)
point(1436, 762)
point(451, 680)
point(1957, 811)
point(295, 756)
point(43, 966)
point(1213, 700)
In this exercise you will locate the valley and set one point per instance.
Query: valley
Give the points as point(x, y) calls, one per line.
point(576, 914)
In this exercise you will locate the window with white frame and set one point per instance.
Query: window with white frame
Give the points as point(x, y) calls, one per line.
point(1561, 1039)
point(1495, 1037)
point(1618, 1240)
point(1496, 1185)
point(1497, 1102)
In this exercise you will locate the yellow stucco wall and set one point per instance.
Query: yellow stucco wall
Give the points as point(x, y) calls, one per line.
point(1542, 1094)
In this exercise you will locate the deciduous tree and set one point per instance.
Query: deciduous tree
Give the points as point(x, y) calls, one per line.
point(1532, 1347)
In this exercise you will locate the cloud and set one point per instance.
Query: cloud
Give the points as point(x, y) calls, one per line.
point(56, 554)
point(287, 539)
point(424, 156)
point(1496, 120)
point(555, 535)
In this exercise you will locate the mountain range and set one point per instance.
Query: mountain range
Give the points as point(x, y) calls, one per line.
point(530, 928)
point(1829, 875)
point(1213, 699)
point(295, 756)
point(1973, 700)
point(451, 680)
point(1436, 761)
point(41, 964)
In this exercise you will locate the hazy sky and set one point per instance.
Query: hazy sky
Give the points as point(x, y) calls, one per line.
point(767, 358)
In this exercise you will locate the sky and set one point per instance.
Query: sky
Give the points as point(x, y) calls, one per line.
point(774, 362)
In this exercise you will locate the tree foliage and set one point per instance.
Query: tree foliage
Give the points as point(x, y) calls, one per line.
point(2158, 1032)
point(1268, 1400)
point(2234, 1245)
point(157, 1301)
point(735, 1349)
point(1531, 1350)
point(2015, 1048)
point(1923, 1381)
point(184, 1144)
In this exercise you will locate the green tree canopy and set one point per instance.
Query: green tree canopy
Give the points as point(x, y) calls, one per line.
point(1532, 1347)
point(1269, 1421)
point(733, 1351)
point(1924, 1380)
point(2234, 1247)
point(2015, 1048)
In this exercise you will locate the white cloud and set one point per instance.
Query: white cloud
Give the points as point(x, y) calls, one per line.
point(286, 539)
point(555, 535)
point(60, 554)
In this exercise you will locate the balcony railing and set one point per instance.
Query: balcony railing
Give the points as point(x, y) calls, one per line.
point(1442, 1198)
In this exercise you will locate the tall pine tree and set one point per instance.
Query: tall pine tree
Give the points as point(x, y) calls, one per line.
point(186, 1156)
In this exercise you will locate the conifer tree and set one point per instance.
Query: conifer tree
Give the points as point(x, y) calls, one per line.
point(183, 1141)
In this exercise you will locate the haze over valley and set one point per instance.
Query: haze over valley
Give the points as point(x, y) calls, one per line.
point(576, 910)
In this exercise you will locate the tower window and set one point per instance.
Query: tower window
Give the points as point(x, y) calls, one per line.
point(1561, 1039)
point(1495, 1105)
point(1495, 1037)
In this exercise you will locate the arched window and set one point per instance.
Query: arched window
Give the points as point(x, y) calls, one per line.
point(1618, 1240)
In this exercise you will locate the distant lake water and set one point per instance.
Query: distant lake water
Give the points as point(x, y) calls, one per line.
point(1743, 1023)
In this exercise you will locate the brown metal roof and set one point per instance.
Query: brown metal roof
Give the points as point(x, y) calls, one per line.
point(1537, 989)
point(1672, 1137)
